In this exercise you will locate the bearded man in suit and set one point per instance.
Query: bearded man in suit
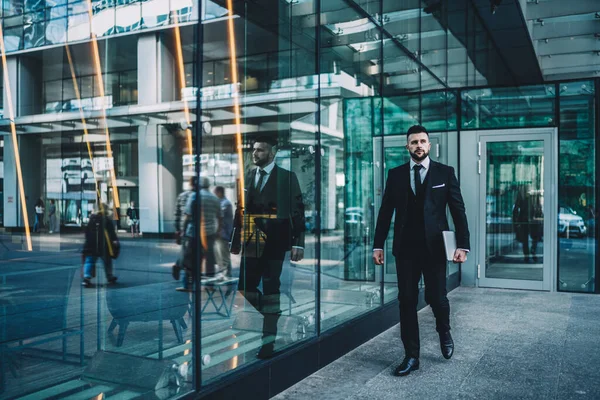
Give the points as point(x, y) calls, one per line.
point(419, 192)
point(274, 210)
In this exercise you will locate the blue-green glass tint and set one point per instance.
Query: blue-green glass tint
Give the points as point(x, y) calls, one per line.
point(576, 187)
point(514, 107)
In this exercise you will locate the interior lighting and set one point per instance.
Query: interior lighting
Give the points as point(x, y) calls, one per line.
point(13, 132)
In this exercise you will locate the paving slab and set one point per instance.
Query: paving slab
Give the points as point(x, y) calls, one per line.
point(510, 344)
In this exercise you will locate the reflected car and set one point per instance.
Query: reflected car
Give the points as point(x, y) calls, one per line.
point(354, 215)
point(568, 220)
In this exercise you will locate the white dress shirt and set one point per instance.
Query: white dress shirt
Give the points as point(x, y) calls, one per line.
point(268, 169)
point(423, 172)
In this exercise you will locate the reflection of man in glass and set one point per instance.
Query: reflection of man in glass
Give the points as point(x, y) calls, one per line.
point(528, 219)
point(272, 223)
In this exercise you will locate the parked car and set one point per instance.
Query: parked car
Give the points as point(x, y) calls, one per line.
point(568, 220)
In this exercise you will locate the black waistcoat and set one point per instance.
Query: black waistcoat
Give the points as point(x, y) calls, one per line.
point(413, 234)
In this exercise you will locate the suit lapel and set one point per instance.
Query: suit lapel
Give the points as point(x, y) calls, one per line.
point(431, 177)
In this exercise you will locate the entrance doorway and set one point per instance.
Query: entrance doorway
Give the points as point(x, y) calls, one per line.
point(516, 178)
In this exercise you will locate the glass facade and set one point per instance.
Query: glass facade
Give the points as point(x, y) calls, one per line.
point(189, 188)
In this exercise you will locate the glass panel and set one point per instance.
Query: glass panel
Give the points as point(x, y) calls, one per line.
point(526, 106)
point(401, 71)
point(438, 111)
point(400, 113)
point(514, 210)
point(86, 282)
point(401, 21)
point(259, 114)
point(433, 43)
point(576, 191)
point(350, 60)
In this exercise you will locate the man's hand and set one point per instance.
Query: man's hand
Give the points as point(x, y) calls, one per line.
point(297, 254)
point(378, 257)
point(460, 256)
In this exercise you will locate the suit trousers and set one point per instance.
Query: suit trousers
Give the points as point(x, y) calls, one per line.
point(409, 272)
point(268, 268)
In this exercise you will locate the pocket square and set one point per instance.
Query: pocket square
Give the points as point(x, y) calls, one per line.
point(438, 186)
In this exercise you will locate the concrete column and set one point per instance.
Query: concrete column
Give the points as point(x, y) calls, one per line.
point(23, 76)
point(11, 199)
point(160, 155)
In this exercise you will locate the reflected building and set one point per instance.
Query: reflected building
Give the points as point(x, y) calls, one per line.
point(122, 102)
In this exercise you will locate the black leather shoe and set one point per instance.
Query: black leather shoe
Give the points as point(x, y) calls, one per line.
point(447, 345)
point(408, 364)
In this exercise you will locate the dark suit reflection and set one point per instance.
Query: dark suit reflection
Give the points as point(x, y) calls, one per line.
point(528, 219)
point(281, 199)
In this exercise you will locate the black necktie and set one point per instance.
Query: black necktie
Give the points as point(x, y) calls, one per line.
point(259, 185)
point(418, 183)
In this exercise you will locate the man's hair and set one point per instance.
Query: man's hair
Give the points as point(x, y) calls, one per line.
point(266, 139)
point(416, 129)
point(193, 182)
point(220, 189)
point(204, 182)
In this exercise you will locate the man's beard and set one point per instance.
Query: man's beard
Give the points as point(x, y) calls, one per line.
point(416, 157)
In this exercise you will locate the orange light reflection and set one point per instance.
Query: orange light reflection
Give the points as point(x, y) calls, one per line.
point(180, 67)
point(236, 100)
point(100, 80)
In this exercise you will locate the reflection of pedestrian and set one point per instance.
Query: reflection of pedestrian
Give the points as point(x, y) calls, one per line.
point(182, 200)
point(100, 242)
point(115, 216)
point(222, 245)
point(52, 216)
point(528, 220)
point(274, 206)
point(210, 221)
point(133, 219)
point(39, 215)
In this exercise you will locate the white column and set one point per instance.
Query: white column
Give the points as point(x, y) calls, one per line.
point(25, 94)
point(160, 156)
point(11, 192)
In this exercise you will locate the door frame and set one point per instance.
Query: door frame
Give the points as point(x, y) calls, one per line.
point(478, 177)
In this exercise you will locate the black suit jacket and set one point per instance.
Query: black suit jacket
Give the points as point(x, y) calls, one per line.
point(441, 190)
point(280, 197)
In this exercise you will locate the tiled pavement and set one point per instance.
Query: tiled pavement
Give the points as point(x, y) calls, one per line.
point(509, 345)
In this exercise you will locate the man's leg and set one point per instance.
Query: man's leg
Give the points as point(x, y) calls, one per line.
point(211, 260)
point(108, 269)
point(88, 270)
point(222, 255)
point(436, 295)
point(409, 274)
point(250, 275)
point(271, 300)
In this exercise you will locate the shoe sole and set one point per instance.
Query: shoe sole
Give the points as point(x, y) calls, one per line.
point(408, 372)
